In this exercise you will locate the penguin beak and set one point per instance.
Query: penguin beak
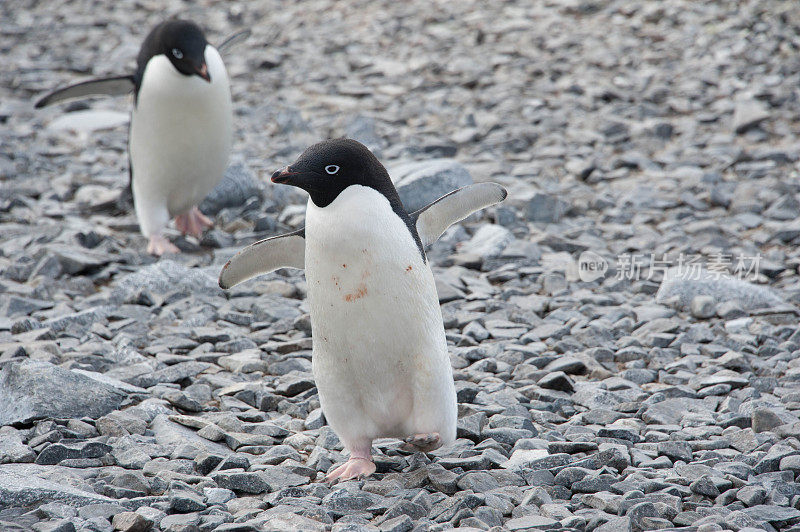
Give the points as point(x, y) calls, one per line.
point(202, 71)
point(284, 176)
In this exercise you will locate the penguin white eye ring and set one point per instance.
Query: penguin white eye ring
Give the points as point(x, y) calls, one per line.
point(177, 53)
point(332, 169)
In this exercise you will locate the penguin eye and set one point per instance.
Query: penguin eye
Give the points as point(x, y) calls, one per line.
point(331, 169)
point(177, 53)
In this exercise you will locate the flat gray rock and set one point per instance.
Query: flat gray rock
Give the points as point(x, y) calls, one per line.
point(167, 276)
point(420, 183)
point(12, 449)
point(32, 390)
point(28, 485)
point(237, 186)
point(173, 435)
point(747, 113)
point(685, 285)
point(489, 241)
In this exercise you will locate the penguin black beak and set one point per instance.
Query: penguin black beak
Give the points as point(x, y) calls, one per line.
point(202, 71)
point(283, 176)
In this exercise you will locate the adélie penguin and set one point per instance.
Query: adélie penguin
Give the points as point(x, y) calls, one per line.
point(180, 130)
point(379, 357)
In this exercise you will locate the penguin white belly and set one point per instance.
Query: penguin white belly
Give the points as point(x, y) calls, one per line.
point(180, 139)
point(380, 356)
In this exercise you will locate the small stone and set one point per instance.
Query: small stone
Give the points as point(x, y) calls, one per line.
point(790, 463)
point(752, 495)
point(478, 481)
point(12, 449)
point(703, 307)
point(747, 113)
point(182, 501)
point(131, 522)
point(315, 419)
point(443, 480)
point(58, 452)
point(729, 310)
point(639, 512)
point(218, 495)
point(343, 502)
point(60, 525)
point(675, 450)
point(779, 516)
point(567, 364)
point(237, 186)
point(241, 482)
point(764, 419)
point(615, 524)
point(545, 208)
point(401, 523)
point(180, 522)
point(211, 432)
point(101, 510)
point(531, 522)
point(704, 486)
point(557, 380)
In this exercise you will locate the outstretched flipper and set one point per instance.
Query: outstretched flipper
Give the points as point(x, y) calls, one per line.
point(264, 256)
point(233, 40)
point(116, 86)
point(433, 219)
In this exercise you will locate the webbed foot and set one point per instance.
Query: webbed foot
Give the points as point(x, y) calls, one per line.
point(422, 442)
point(355, 467)
point(193, 222)
point(159, 245)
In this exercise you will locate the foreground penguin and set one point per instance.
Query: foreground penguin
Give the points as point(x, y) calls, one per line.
point(181, 127)
point(380, 356)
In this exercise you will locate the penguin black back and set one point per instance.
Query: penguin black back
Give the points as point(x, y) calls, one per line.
point(327, 168)
point(181, 41)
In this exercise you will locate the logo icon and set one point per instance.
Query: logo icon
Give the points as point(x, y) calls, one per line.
point(591, 266)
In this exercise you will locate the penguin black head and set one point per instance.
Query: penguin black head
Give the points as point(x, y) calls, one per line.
point(182, 42)
point(325, 169)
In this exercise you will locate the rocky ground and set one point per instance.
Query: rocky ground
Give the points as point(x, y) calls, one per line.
point(134, 393)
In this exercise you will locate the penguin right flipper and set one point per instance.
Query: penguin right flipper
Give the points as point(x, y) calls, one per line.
point(264, 256)
point(433, 219)
point(115, 86)
point(233, 40)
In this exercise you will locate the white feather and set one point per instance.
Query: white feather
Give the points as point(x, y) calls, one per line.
point(436, 217)
point(380, 356)
point(264, 256)
point(181, 130)
point(116, 86)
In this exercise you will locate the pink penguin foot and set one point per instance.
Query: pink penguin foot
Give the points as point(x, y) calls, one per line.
point(159, 245)
point(355, 467)
point(422, 442)
point(193, 222)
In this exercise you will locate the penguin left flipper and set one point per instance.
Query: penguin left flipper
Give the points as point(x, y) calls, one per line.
point(264, 256)
point(114, 86)
point(433, 219)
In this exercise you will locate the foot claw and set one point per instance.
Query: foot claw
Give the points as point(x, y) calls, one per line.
point(353, 468)
point(159, 245)
point(422, 442)
point(193, 222)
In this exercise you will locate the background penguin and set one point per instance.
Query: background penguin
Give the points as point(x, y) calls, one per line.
point(181, 126)
point(380, 356)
